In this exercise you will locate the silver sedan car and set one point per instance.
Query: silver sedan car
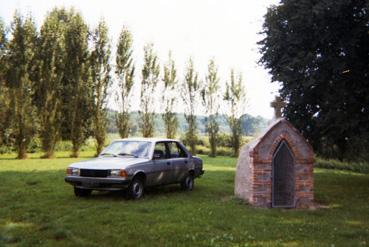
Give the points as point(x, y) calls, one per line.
point(133, 164)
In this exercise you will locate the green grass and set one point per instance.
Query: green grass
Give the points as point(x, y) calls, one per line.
point(37, 208)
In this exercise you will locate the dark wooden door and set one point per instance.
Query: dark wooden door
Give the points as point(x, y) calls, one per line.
point(283, 191)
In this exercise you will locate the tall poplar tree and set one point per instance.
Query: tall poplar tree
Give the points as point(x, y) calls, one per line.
point(169, 98)
point(150, 78)
point(101, 80)
point(52, 57)
point(4, 97)
point(191, 97)
point(210, 97)
point(124, 71)
point(20, 75)
point(235, 101)
point(77, 84)
point(3, 43)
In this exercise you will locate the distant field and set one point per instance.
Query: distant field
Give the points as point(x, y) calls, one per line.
point(37, 208)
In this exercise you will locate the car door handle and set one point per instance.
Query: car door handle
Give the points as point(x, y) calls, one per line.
point(186, 162)
point(168, 163)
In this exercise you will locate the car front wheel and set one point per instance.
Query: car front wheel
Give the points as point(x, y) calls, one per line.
point(136, 189)
point(188, 183)
point(82, 192)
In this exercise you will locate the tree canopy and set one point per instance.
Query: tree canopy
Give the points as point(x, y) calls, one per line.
point(21, 73)
point(101, 81)
point(150, 79)
point(211, 97)
point(49, 88)
point(318, 51)
point(56, 82)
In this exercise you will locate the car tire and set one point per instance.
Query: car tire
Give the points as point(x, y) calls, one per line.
point(79, 192)
point(188, 183)
point(136, 189)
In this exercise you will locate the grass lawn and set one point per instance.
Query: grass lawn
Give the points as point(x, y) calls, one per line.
point(37, 208)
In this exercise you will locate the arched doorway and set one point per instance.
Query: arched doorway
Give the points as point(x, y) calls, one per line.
point(283, 180)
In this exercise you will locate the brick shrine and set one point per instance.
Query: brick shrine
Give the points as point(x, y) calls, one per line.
point(276, 169)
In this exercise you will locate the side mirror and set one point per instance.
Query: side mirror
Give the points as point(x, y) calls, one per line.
point(157, 156)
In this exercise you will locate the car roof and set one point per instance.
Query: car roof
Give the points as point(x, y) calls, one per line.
point(150, 139)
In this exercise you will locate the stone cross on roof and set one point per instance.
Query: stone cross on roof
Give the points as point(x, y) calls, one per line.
point(277, 104)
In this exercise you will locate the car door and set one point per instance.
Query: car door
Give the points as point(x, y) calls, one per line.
point(179, 161)
point(161, 168)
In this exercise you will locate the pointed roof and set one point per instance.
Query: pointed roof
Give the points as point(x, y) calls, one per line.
point(278, 130)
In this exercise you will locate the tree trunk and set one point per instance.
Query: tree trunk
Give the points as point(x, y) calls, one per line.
point(213, 148)
point(193, 148)
point(22, 151)
point(75, 152)
point(48, 146)
point(236, 150)
point(236, 143)
point(100, 145)
point(49, 154)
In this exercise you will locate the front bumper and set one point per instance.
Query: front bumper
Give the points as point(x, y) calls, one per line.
point(98, 183)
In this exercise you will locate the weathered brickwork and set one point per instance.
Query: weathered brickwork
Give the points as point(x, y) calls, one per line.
point(253, 182)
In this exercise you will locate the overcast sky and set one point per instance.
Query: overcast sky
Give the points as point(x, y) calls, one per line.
point(226, 30)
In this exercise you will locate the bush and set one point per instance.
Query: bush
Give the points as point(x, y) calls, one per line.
point(67, 145)
point(63, 146)
point(202, 150)
point(90, 145)
point(224, 140)
point(224, 151)
point(246, 139)
point(34, 145)
point(201, 140)
point(221, 151)
point(224, 144)
point(6, 149)
point(361, 167)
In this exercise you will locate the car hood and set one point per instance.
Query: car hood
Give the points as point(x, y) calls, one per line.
point(103, 163)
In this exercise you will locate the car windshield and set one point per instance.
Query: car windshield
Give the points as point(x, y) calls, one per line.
point(137, 149)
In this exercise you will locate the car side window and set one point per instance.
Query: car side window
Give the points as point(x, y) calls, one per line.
point(181, 152)
point(173, 150)
point(160, 151)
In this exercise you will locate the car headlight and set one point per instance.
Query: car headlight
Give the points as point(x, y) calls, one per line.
point(118, 173)
point(71, 171)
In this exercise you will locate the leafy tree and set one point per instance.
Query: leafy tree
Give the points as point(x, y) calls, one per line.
point(150, 78)
point(235, 100)
point(101, 80)
point(318, 51)
point(210, 97)
point(169, 98)
point(77, 84)
point(191, 97)
point(4, 97)
point(49, 88)
point(124, 71)
point(20, 75)
point(3, 43)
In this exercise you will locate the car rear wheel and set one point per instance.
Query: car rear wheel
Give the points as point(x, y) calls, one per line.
point(79, 192)
point(136, 189)
point(188, 183)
